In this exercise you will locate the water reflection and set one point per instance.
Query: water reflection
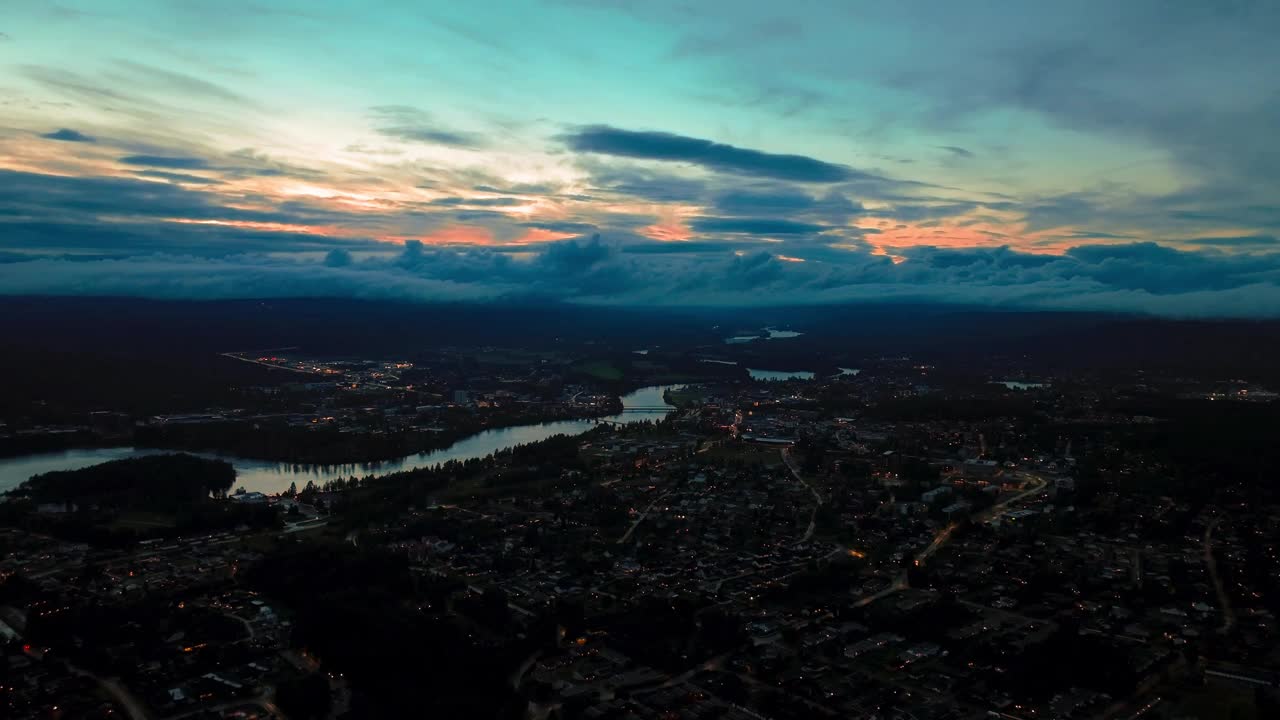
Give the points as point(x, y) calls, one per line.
point(273, 477)
point(779, 374)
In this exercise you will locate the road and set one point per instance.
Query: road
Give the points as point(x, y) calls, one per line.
point(248, 626)
point(132, 705)
point(273, 366)
point(790, 462)
point(899, 584)
point(999, 508)
point(943, 536)
point(305, 525)
point(1224, 602)
point(627, 535)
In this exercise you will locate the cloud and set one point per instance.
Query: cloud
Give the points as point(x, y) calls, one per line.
point(784, 200)
point(688, 247)
point(956, 152)
point(166, 161)
point(480, 202)
point(646, 184)
point(433, 136)
point(781, 200)
point(90, 199)
point(139, 240)
point(717, 157)
point(753, 226)
point(1140, 277)
point(178, 177)
point(410, 124)
point(129, 216)
point(918, 212)
point(136, 74)
point(68, 135)
point(580, 228)
point(337, 258)
point(575, 257)
point(1237, 241)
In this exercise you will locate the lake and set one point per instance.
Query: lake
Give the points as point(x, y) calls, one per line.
point(771, 375)
point(267, 476)
point(1017, 385)
point(770, 334)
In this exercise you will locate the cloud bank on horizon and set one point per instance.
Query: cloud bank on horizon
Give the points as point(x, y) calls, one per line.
point(1095, 156)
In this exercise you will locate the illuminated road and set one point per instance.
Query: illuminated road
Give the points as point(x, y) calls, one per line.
point(121, 694)
point(1228, 616)
point(943, 536)
point(627, 536)
point(132, 706)
point(248, 626)
point(273, 366)
point(817, 497)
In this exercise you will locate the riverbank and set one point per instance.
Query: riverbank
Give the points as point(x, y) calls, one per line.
point(315, 445)
point(268, 476)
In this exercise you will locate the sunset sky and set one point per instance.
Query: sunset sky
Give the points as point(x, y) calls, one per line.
point(1082, 155)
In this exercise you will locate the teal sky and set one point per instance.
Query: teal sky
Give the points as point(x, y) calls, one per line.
point(987, 152)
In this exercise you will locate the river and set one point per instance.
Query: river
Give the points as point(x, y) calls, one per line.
point(272, 477)
point(776, 375)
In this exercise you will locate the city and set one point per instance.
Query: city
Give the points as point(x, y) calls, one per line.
point(874, 543)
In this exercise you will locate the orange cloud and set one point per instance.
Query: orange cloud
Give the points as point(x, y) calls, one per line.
point(325, 230)
point(960, 233)
point(537, 235)
point(459, 235)
point(666, 232)
point(897, 259)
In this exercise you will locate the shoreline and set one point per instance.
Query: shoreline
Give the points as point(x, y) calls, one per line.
point(88, 440)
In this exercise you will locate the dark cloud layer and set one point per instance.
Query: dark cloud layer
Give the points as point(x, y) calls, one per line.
point(125, 216)
point(178, 177)
point(714, 156)
point(753, 226)
point(165, 161)
point(1142, 278)
point(67, 135)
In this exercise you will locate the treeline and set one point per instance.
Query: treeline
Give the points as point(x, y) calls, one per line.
point(383, 496)
point(327, 444)
point(321, 445)
point(19, 445)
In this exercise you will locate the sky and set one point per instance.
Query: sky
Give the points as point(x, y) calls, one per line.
point(1089, 155)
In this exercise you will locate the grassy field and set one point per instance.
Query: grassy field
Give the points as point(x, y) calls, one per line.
point(140, 520)
point(599, 370)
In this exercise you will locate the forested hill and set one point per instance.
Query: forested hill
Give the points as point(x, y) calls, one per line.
point(153, 482)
